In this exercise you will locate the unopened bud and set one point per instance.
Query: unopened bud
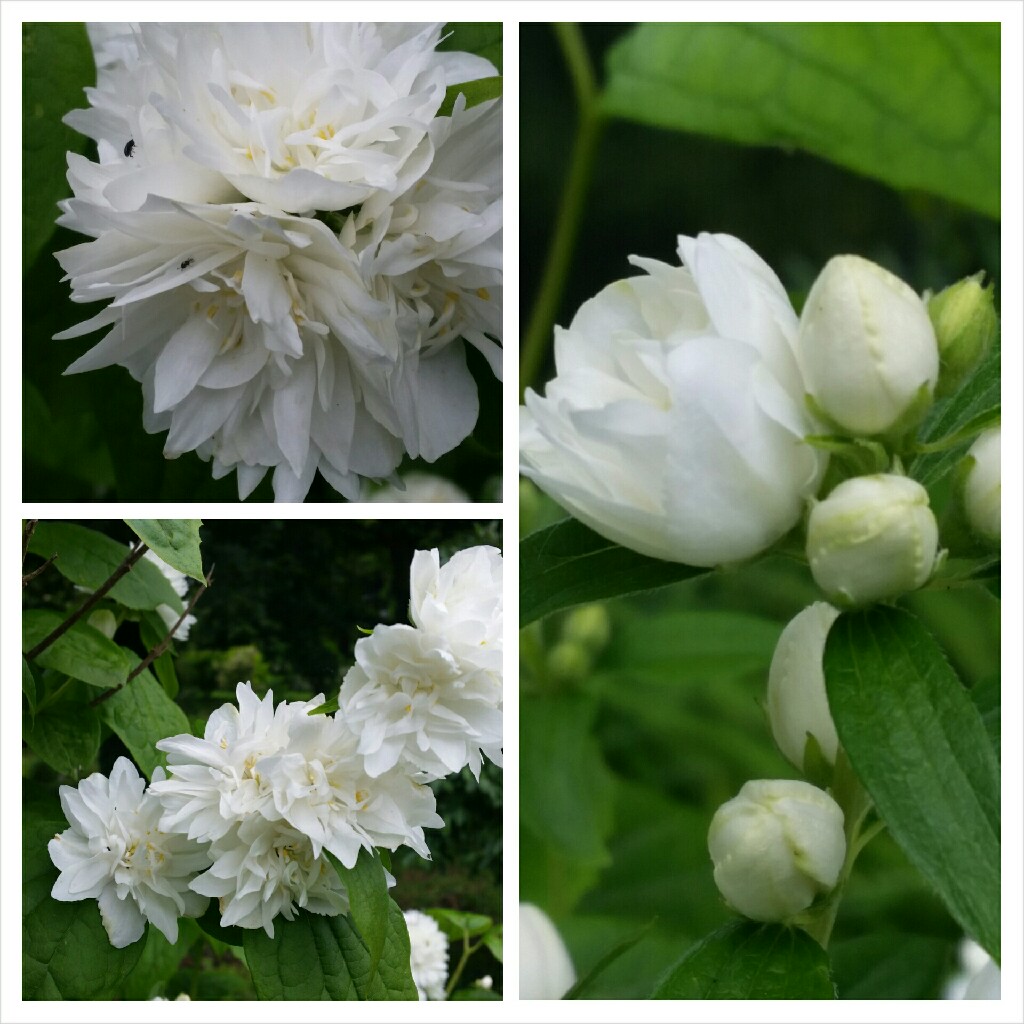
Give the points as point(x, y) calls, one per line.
point(797, 701)
point(872, 538)
point(588, 625)
point(983, 487)
point(545, 968)
point(965, 322)
point(776, 846)
point(866, 348)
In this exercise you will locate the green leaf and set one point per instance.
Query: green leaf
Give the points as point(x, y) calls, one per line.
point(152, 630)
point(569, 805)
point(82, 652)
point(329, 707)
point(972, 403)
point(568, 564)
point(920, 749)
point(321, 958)
point(159, 961)
point(65, 735)
point(210, 924)
point(57, 64)
point(141, 714)
point(476, 92)
point(494, 941)
point(987, 697)
point(65, 950)
point(480, 37)
point(913, 105)
point(176, 541)
point(459, 924)
point(87, 558)
point(367, 887)
point(891, 966)
point(609, 958)
point(746, 960)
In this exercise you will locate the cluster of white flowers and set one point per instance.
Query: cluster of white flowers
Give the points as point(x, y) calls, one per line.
point(247, 811)
point(292, 242)
point(429, 954)
point(179, 581)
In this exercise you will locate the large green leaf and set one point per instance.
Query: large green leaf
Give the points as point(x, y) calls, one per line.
point(57, 64)
point(367, 888)
point(568, 564)
point(746, 960)
point(918, 744)
point(87, 558)
point(480, 37)
point(141, 713)
point(914, 105)
point(82, 652)
point(65, 951)
point(565, 789)
point(892, 966)
point(65, 735)
point(321, 958)
point(176, 541)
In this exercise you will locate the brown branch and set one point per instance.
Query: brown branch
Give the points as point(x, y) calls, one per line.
point(90, 602)
point(26, 536)
point(26, 580)
point(160, 647)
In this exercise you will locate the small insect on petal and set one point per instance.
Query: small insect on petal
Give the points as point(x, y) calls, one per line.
point(186, 263)
point(128, 147)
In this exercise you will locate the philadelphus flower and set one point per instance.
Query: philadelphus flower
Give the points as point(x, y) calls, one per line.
point(429, 954)
point(867, 348)
point(293, 245)
point(271, 788)
point(776, 847)
point(873, 537)
point(983, 486)
point(797, 701)
point(675, 423)
point(115, 852)
point(430, 695)
point(179, 581)
point(545, 968)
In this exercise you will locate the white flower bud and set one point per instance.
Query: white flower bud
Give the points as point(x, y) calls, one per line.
point(545, 969)
point(873, 537)
point(797, 702)
point(983, 487)
point(867, 348)
point(966, 324)
point(776, 847)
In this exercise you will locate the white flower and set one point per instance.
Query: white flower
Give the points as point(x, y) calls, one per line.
point(286, 765)
point(412, 702)
point(545, 968)
point(873, 537)
point(263, 338)
point(983, 487)
point(461, 603)
point(675, 423)
point(179, 581)
point(867, 348)
point(979, 976)
point(115, 852)
point(797, 701)
point(419, 487)
point(776, 847)
point(429, 954)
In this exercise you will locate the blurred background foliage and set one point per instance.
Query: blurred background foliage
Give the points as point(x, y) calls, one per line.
point(82, 435)
point(284, 611)
point(640, 716)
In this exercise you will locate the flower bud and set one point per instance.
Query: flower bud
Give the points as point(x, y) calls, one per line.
point(776, 847)
point(797, 702)
point(873, 537)
point(983, 487)
point(545, 969)
point(588, 625)
point(965, 323)
point(866, 348)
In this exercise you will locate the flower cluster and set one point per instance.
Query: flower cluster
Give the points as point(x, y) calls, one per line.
point(293, 242)
point(429, 954)
point(429, 696)
point(247, 811)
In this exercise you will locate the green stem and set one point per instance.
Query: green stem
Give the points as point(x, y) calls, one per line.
point(467, 952)
point(556, 269)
